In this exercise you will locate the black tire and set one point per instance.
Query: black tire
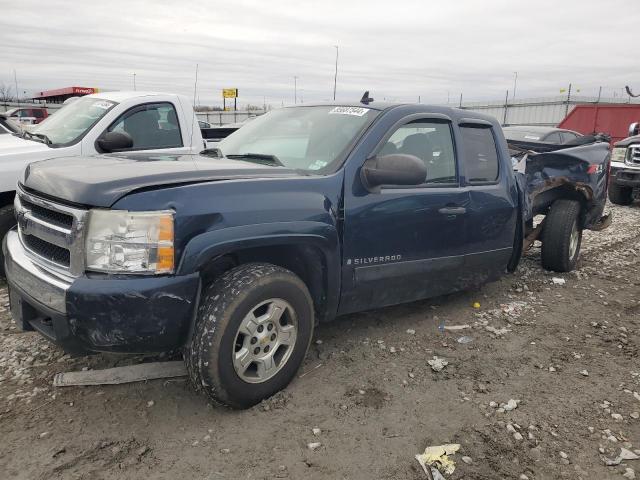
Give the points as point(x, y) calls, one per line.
point(620, 195)
point(559, 223)
point(7, 222)
point(223, 307)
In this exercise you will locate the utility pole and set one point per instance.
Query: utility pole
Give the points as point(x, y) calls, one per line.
point(506, 108)
point(460, 106)
point(515, 83)
point(335, 76)
point(134, 81)
point(295, 89)
point(566, 110)
point(15, 79)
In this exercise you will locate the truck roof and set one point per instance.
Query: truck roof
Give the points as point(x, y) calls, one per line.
point(126, 95)
point(453, 113)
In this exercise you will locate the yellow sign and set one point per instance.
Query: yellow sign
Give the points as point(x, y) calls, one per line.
point(229, 92)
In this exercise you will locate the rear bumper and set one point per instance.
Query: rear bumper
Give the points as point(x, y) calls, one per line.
point(106, 313)
point(624, 176)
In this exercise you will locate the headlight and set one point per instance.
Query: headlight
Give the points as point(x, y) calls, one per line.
point(119, 241)
point(618, 154)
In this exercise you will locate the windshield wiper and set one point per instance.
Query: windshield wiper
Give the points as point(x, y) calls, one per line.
point(36, 137)
point(45, 139)
point(261, 158)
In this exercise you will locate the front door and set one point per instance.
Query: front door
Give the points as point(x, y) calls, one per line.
point(403, 244)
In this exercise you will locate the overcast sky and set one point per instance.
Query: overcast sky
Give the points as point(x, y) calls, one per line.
point(398, 50)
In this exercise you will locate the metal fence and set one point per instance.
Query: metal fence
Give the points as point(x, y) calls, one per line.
point(224, 118)
point(547, 111)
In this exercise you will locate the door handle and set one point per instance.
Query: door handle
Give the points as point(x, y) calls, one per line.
point(453, 210)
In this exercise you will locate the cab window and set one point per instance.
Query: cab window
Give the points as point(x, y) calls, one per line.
point(151, 126)
point(429, 140)
point(480, 154)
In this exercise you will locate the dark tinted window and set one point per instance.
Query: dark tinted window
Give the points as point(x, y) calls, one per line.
point(567, 136)
point(480, 154)
point(431, 142)
point(38, 113)
point(553, 138)
point(151, 126)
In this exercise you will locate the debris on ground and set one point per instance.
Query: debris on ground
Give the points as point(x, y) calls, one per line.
point(622, 456)
point(118, 375)
point(438, 457)
point(437, 363)
point(558, 281)
point(453, 328)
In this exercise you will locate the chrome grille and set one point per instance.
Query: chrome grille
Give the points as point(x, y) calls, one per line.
point(52, 233)
point(634, 155)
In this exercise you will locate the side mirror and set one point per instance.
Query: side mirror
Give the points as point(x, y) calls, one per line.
point(394, 169)
point(634, 129)
point(114, 141)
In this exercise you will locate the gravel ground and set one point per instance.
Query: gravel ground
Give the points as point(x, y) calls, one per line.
point(548, 387)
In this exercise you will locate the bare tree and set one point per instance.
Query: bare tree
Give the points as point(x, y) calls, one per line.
point(5, 93)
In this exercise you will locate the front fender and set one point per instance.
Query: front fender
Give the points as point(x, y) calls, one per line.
point(207, 246)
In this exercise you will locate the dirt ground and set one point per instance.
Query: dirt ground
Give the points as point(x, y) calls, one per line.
point(567, 353)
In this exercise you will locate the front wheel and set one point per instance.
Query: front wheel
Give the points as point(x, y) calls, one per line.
point(561, 236)
point(253, 329)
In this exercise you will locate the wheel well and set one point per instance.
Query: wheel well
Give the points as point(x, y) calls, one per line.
point(306, 261)
point(6, 198)
point(544, 200)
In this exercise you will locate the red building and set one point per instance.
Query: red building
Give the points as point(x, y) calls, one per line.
point(61, 94)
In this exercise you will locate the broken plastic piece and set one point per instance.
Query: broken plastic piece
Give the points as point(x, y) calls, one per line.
point(437, 457)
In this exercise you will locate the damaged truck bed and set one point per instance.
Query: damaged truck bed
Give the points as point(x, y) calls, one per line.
point(547, 173)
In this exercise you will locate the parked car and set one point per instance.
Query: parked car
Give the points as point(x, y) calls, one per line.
point(98, 123)
point(555, 136)
point(624, 181)
point(7, 125)
point(308, 212)
point(27, 115)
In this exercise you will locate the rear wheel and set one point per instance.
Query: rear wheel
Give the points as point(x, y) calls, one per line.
point(253, 329)
point(620, 195)
point(7, 222)
point(561, 236)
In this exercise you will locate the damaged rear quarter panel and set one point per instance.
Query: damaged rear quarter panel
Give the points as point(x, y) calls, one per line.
point(567, 169)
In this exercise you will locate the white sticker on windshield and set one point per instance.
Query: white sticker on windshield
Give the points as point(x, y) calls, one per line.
point(531, 137)
point(103, 105)
point(317, 165)
point(357, 111)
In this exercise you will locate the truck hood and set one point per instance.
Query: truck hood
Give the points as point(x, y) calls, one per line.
point(628, 141)
point(101, 180)
point(12, 145)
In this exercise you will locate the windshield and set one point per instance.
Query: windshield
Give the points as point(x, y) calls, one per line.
point(72, 121)
point(510, 134)
point(312, 139)
point(8, 126)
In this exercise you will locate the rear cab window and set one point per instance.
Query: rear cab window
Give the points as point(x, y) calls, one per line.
point(481, 160)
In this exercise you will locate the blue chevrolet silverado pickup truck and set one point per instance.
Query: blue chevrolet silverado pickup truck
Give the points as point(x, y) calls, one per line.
point(306, 213)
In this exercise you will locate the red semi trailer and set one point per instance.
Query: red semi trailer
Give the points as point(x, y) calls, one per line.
point(612, 119)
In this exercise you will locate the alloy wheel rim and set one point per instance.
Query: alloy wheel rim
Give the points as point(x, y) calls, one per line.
point(573, 241)
point(265, 340)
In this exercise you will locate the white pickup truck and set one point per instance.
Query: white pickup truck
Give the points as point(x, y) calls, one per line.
point(99, 123)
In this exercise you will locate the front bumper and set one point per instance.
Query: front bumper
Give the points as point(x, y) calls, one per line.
point(623, 175)
point(103, 314)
